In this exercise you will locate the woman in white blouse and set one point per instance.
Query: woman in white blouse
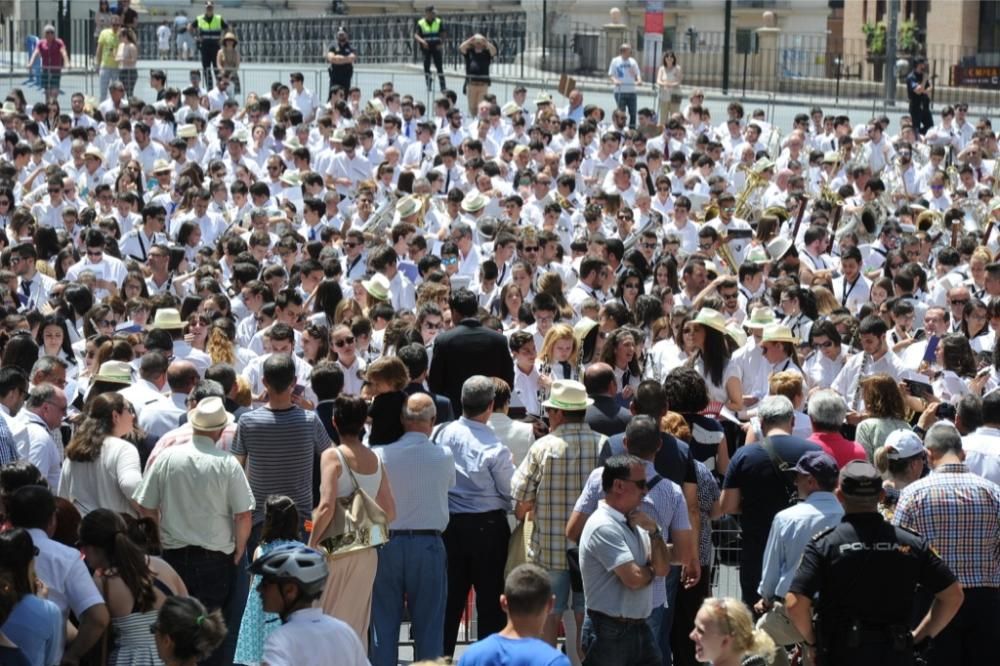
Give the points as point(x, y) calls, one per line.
point(828, 356)
point(712, 359)
point(101, 470)
point(958, 366)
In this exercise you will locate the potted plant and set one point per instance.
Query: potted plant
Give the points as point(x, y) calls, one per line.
point(874, 38)
point(908, 37)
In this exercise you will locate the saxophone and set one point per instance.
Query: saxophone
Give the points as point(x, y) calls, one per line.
point(865, 366)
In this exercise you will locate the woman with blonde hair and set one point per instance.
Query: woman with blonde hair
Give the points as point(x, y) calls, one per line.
point(885, 411)
point(724, 635)
point(347, 310)
point(558, 358)
point(551, 283)
point(826, 302)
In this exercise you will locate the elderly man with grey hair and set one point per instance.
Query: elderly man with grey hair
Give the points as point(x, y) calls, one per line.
point(478, 532)
point(49, 370)
point(828, 413)
point(42, 444)
point(759, 483)
point(957, 511)
point(413, 565)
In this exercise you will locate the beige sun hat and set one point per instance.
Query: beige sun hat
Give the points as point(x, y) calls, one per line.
point(167, 319)
point(95, 152)
point(210, 414)
point(760, 318)
point(187, 131)
point(408, 206)
point(779, 333)
point(712, 319)
point(377, 287)
point(778, 247)
point(115, 372)
point(568, 395)
point(161, 165)
point(474, 201)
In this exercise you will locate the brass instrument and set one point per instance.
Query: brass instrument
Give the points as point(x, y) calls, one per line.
point(954, 182)
point(755, 181)
point(975, 212)
point(932, 222)
point(377, 225)
point(996, 177)
point(866, 361)
point(726, 253)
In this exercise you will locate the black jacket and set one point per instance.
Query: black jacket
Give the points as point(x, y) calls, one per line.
point(466, 350)
point(606, 416)
point(443, 404)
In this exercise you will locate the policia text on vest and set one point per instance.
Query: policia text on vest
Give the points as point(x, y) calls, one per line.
point(429, 36)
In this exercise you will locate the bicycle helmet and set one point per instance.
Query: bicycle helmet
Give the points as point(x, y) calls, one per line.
point(304, 565)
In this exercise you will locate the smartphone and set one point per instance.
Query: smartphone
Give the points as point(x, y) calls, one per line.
point(919, 389)
point(298, 390)
point(931, 350)
point(946, 411)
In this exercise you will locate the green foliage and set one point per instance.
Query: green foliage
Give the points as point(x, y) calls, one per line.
point(875, 37)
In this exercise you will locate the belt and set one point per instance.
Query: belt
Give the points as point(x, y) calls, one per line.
point(394, 533)
point(619, 620)
point(198, 549)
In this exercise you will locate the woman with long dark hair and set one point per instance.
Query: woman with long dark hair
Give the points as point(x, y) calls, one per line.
point(101, 470)
point(35, 625)
point(621, 352)
point(712, 345)
point(958, 367)
point(628, 289)
point(134, 585)
point(975, 326)
point(53, 340)
point(328, 297)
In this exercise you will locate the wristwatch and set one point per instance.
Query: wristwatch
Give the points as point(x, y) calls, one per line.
point(656, 534)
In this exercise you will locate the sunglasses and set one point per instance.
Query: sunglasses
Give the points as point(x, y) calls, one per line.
point(432, 325)
point(350, 244)
point(344, 341)
point(4, 202)
point(823, 345)
point(648, 246)
point(532, 248)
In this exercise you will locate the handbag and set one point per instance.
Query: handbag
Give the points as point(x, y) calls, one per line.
point(517, 547)
point(358, 521)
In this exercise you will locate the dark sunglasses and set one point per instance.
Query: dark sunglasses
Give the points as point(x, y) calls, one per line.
point(343, 342)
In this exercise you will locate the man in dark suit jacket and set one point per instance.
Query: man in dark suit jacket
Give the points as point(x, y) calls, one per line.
point(605, 416)
point(414, 357)
point(466, 350)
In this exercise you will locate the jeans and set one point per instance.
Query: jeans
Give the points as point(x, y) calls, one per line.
point(209, 577)
point(477, 552)
point(628, 101)
point(610, 642)
point(413, 568)
point(661, 619)
point(108, 74)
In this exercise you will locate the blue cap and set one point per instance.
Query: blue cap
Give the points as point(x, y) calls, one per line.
point(818, 464)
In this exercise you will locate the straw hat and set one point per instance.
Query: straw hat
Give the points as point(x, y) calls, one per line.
point(737, 334)
point(762, 165)
point(376, 105)
point(115, 372)
point(210, 414)
point(543, 98)
point(778, 247)
point(712, 319)
point(161, 165)
point(510, 108)
point(293, 143)
point(474, 201)
point(377, 286)
point(241, 136)
point(408, 206)
point(568, 395)
point(583, 328)
point(760, 317)
point(291, 179)
point(8, 109)
point(167, 319)
point(187, 131)
point(230, 35)
point(94, 151)
point(779, 333)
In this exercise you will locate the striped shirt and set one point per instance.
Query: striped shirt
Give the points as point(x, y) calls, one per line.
point(8, 448)
point(552, 475)
point(959, 514)
point(281, 446)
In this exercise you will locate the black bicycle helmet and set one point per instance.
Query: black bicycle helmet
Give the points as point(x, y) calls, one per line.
point(304, 565)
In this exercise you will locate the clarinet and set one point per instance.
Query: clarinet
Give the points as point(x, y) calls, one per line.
point(543, 395)
point(856, 400)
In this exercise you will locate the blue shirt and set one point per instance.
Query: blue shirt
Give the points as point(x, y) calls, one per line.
point(791, 531)
point(36, 626)
point(420, 473)
point(495, 650)
point(483, 466)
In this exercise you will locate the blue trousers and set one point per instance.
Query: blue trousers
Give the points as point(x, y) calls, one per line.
point(414, 569)
point(609, 642)
point(628, 102)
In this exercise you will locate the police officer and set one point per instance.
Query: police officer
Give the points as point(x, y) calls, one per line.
point(208, 31)
point(865, 571)
point(429, 35)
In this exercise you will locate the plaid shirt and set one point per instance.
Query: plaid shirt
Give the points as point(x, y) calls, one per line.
point(552, 476)
point(959, 514)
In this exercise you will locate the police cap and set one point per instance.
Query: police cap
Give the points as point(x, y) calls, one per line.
point(860, 479)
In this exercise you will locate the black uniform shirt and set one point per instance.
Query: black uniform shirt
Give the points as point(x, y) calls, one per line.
point(866, 569)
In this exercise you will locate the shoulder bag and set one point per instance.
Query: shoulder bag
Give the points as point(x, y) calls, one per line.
point(358, 521)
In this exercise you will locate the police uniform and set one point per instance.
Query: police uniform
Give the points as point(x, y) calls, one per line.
point(865, 572)
point(430, 32)
point(210, 37)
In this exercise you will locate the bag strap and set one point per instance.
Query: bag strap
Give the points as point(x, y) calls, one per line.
point(107, 632)
point(654, 482)
point(780, 466)
point(343, 461)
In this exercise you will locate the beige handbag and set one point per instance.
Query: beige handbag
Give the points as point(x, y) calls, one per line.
point(358, 521)
point(517, 547)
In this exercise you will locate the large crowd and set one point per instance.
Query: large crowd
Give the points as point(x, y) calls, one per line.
point(280, 374)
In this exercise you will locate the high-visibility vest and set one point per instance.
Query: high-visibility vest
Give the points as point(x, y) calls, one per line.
point(431, 30)
point(210, 28)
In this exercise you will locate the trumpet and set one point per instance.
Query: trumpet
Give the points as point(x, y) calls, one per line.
point(726, 253)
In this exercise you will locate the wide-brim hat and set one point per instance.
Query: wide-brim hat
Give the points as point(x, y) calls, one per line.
point(167, 319)
point(756, 255)
point(779, 333)
point(161, 165)
point(95, 152)
point(568, 395)
point(582, 328)
point(712, 319)
point(8, 109)
point(376, 105)
point(761, 318)
point(242, 136)
point(291, 179)
point(543, 98)
point(408, 206)
point(230, 35)
point(509, 109)
point(377, 287)
point(115, 372)
point(474, 201)
point(187, 131)
point(210, 414)
point(762, 165)
point(738, 335)
point(778, 247)
point(292, 142)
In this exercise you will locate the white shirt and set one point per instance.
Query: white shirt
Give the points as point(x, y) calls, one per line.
point(40, 448)
point(108, 268)
point(856, 368)
point(982, 452)
point(65, 575)
point(312, 637)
